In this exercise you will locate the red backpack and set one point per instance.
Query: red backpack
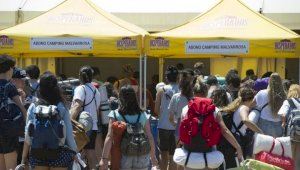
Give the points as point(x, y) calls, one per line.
point(199, 130)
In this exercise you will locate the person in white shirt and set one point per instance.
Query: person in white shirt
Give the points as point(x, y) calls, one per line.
point(87, 98)
point(293, 96)
point(269, 101)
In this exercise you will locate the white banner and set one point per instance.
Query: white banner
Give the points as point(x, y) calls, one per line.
point(62, 43)
point(217, 47)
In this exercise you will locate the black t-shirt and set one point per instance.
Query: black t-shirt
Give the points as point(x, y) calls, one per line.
point(11, 90)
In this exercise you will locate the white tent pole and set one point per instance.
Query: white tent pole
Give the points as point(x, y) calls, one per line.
point(141, 80)
point(145, 82)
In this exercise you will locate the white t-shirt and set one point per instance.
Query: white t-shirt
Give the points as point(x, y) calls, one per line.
point(237, 119)
point(286, 107)
point(261, 99)
point(92, 107)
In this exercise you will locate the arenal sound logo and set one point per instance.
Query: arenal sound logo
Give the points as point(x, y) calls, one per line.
point(6, 42)
point(127, 43)
point(285, 45)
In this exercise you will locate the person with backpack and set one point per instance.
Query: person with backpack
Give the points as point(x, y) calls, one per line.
point(290, 108)
point(220, 100)
point(269, 102)
point(166, 130)
point(12, 114)
point(200, 93)
point(87, 98)
point(107, 93)
point(200, 117)
point(137, 144)
point(48, 134)
point(19, 79)
point(242, 128)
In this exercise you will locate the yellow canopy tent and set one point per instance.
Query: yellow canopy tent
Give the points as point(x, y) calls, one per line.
point(229, 28)
point(73, 28)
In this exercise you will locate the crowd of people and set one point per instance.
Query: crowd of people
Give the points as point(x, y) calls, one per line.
point(39, 114)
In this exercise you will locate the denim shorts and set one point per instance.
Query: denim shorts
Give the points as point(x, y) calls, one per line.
point(135, 162)
point(270, 128)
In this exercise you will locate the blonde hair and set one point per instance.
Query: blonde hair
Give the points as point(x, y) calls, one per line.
point(294, 91)
point(276, 93)
point(233, 106)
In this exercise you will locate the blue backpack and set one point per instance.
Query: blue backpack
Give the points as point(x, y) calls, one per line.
point(11, 118)
point(47, 132)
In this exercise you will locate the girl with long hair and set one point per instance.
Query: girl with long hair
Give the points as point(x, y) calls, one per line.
point(269, 102)
point(240, 108)
point(50, 94)
point(130, 111)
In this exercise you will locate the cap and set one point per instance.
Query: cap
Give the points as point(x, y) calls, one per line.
point(19, 73)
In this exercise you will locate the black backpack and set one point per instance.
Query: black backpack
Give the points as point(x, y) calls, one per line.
point(11, 118)
point(134, 141)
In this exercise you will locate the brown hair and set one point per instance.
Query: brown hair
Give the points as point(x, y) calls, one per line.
point(276, 93)
point(245, 94)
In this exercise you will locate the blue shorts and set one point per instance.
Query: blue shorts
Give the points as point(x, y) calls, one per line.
point(270, 128)
point(135, 162)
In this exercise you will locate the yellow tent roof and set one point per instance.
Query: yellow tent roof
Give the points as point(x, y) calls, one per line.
point(73, 28)
point(228, 28)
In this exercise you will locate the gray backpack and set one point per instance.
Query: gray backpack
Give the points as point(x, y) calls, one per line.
point(134, 141)
point(293, 120)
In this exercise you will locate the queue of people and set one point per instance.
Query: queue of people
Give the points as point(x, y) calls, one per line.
point(202, 122)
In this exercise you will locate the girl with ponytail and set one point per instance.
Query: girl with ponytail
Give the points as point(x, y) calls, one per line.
point(87, 98)
point(242, 127)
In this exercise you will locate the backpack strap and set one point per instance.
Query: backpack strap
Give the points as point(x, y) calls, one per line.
point(297, 99)
point(124, 118)
point(167, 95)
point(205, 159)
point(187, 158)
point(126, 121)
point(264, 106)
point(94, 97)
point(292, 104)
point(115, 116)
point(237, 128)
point(138, 119)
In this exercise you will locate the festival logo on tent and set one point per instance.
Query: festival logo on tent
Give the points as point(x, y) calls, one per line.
point(6, 42)
point(126, 43)
point(225, 22)
point(285, 46)
point(159, 43)
point(71, 18)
